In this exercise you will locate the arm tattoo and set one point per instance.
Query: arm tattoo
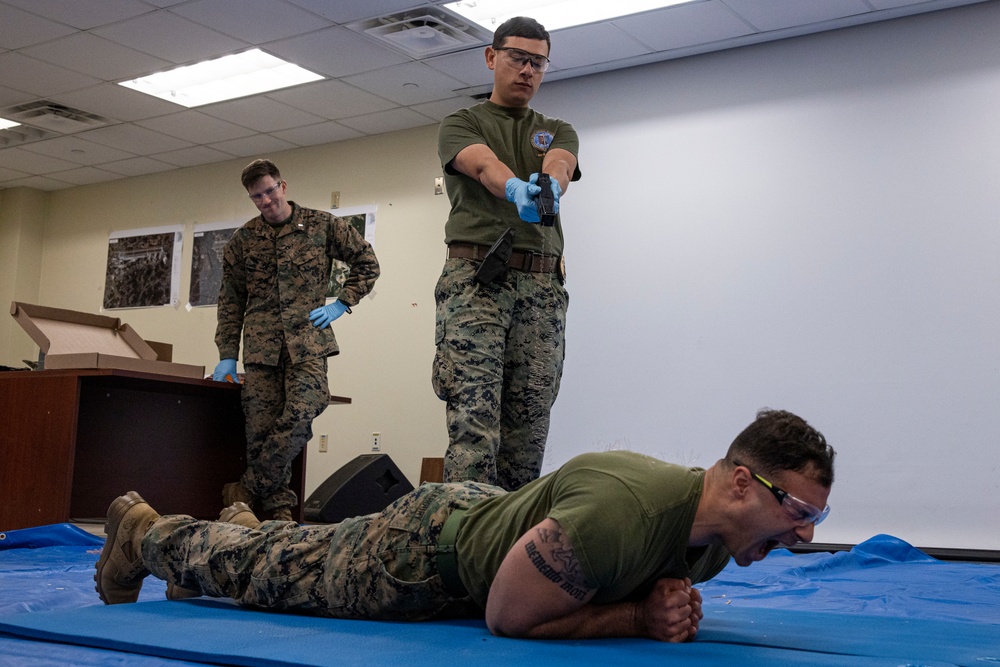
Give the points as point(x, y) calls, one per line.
point(555, 560)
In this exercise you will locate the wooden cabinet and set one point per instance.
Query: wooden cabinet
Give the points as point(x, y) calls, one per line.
point(71, 441)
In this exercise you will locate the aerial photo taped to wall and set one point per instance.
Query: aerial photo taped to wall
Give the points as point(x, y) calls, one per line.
point(143, 268)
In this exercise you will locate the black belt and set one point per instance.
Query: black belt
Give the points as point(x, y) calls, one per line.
point(519, 260)
point(447, 556)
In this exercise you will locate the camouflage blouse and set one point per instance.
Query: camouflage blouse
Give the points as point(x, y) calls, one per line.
point(272, 279)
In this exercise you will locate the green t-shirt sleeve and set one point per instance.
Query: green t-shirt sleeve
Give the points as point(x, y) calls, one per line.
point(456, 132)
point(566, 139)
point(629, 519)
point(605, 551)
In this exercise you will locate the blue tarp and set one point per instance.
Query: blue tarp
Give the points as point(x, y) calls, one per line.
point(882, 603)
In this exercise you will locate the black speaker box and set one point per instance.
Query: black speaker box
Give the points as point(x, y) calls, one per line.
point(367, 484)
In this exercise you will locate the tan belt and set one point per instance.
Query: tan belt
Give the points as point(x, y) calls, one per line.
point(520, 261)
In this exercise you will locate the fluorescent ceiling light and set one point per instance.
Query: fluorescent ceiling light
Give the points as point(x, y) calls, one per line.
point(225, 78)
point(553, 14)
point(5, 124)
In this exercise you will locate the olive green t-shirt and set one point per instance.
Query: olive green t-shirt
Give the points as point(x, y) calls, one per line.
point(520, 138)
point(629, 517)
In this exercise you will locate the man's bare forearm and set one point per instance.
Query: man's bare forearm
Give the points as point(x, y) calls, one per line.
point(591, 621)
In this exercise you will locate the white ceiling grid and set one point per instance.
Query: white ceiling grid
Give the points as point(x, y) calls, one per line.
point(72, 53)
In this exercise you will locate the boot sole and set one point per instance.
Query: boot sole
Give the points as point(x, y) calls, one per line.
point(119, 507)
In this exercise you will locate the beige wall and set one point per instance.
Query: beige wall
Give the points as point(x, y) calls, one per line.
point(22, 222)
point(386, 344)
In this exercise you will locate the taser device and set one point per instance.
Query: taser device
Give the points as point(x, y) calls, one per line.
point(545, 201)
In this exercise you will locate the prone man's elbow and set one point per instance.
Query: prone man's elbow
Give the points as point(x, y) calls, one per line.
point(502, 625)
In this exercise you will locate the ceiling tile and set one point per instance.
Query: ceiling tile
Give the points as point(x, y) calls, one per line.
point(9, 96)
point(137, 166)
point(258, 144)
point(19, 29)
point(321, 133)
point(97, 57)
point(134, 139)
point(778, 14)
point(332, 100)
point(190, 157)
point(345, 12)
point(411, 83)
point(336, 52)
point(892, 4)
point(253, 21)
point(77, 150)
point(113, 101)
point(85, 175)
point(11, 174)
point(195, 127)
point(684, 25)
point(31, 163)
point(591, 44)
point(171, 37)
point(84, 14)
point(466, 66)
point(261, 113)
point(40, 78)
point(387, 121)
point(38, 183)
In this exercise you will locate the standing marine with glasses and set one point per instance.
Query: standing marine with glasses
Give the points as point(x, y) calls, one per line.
point(500, 343)
point(275, 277)
point(609, 545)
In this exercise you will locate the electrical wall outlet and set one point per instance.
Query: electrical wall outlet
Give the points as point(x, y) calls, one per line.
point(335, 199)
point(323, 442)
point(376, 445)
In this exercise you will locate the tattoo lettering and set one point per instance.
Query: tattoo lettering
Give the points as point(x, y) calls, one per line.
point(575, 591)
point(538, 560)
point(555, 560)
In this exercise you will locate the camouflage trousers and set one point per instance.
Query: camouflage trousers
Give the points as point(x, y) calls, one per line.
point(379, 566)
point(280, 403)
point(499, 361)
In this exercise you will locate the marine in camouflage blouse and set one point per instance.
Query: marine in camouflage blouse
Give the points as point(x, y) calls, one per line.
point(273, 278)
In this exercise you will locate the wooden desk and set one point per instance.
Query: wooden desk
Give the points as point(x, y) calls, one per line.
point(71, 441)
point(432, 469)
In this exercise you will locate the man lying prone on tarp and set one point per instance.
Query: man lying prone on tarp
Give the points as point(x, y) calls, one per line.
point(608, 545)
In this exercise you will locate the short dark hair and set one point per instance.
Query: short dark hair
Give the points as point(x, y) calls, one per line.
point(778, 440)
point(257, 170)
point(521, 26)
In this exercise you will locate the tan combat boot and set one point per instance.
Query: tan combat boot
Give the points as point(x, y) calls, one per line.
point(279, 514)
point(235, 492)
point(240, 514)
point(120, 570)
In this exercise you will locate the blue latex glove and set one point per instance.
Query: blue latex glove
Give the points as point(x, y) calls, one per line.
point(225, 367)
point(522, 194)
point(322, 316)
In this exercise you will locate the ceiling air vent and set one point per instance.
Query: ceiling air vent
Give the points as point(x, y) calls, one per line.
point(53, 117)
point(424, 32)
point(22, 134)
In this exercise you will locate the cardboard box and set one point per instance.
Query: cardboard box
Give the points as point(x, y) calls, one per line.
point(70, 339)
